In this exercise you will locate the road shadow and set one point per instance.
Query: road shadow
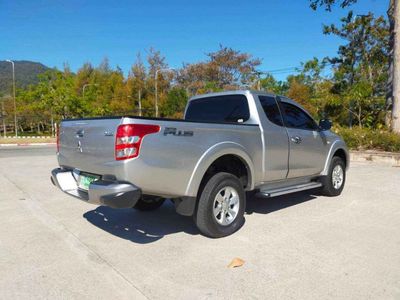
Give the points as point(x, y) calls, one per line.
point(141, 227)
point(262, 205)
point(145, 227)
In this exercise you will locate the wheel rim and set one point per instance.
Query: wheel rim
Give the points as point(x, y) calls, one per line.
point(226, 206)
point(337, 177)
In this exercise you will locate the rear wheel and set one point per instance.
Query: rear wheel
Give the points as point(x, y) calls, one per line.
point(221, 206)
point(333, 183)
point(146, 203)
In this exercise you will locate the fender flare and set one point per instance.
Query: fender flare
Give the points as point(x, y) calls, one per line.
point(210, 156)
point(337, 145)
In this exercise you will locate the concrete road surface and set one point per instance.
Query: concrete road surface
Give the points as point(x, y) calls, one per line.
point(301, 246)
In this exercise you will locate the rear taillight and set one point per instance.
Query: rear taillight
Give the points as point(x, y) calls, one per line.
point(129, 138)
point(58, 138)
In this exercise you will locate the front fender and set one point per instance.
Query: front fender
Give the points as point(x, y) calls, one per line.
point(211, 155)
point(336, 145)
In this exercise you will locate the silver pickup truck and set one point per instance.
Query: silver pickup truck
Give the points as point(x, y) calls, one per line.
point(228, 143)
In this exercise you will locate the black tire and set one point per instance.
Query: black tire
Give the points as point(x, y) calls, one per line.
point(328, 188)
point(147, 203)
point(204, 216)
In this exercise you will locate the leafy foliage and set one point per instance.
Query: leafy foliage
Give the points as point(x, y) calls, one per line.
point(364, 139)
point(225, 68)
point(361, 67)
point(329, 3)
point(271, 85)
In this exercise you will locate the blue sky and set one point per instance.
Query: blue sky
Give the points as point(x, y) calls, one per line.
point(281, 33)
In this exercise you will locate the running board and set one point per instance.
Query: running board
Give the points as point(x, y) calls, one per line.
point(290, 189)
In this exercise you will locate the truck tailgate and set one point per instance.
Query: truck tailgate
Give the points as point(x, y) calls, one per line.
point(87, 144)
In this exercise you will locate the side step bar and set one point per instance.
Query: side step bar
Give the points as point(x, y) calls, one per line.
point(289, 189)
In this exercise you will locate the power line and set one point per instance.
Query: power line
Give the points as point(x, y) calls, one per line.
point(287, 69)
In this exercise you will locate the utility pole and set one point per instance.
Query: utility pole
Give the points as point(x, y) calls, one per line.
point(15, 103)
point(394, 15)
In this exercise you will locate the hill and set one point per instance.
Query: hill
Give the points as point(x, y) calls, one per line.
point(26, 73)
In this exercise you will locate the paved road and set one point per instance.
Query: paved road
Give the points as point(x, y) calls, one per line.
point(295, 247)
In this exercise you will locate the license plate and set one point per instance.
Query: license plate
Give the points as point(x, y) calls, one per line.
point(85, 180)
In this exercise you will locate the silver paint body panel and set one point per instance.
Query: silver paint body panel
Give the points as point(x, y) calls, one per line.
point(174, 166)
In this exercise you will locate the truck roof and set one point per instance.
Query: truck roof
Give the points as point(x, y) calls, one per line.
point(233, 92)
point(243, 92)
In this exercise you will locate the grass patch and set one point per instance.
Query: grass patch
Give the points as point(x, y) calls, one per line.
point(28, 140)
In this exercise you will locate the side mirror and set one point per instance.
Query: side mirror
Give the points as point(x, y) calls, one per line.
point(325, 124)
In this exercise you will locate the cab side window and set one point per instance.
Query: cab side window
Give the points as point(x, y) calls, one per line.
point(271, 109)
point(297, 118)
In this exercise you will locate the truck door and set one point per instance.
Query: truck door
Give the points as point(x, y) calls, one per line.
point(276, 141)
point(307, 146)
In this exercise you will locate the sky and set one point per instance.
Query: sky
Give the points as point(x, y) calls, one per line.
point(282, 33)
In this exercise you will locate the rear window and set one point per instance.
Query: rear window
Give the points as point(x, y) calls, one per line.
point(220, 109)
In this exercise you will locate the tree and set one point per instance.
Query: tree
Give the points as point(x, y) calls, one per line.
point(136, 82)
point(394, 16)
point(175, 103)
point(225, 68)
point(329, 3)
point(311, 71)
point(301, 93)
point(271, 85)
point(119, 103)
point(156, 78)
point(232, 67)
point(365, 54)
point(362, 63)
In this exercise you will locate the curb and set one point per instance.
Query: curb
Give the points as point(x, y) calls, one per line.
point(27, 144)
point(391, 158)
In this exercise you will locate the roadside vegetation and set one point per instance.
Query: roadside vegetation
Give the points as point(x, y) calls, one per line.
point(369, 139)
point(350, 88)
point(27, 140)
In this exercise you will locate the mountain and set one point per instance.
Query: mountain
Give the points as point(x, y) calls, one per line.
point(26, 73)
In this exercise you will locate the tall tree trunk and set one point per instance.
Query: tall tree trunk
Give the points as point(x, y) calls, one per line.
point(396, 69)
point(140, 102)
point(52, 123)
point(3, 117)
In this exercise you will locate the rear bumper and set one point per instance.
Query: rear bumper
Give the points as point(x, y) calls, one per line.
point(116, 194)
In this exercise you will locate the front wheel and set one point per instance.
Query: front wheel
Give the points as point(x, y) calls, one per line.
point(221, 206)
point(146, 203)
point(333, 183)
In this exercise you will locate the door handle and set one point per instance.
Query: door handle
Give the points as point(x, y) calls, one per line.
point(296, 139)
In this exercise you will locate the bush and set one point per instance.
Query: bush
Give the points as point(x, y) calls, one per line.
point(362, 139)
